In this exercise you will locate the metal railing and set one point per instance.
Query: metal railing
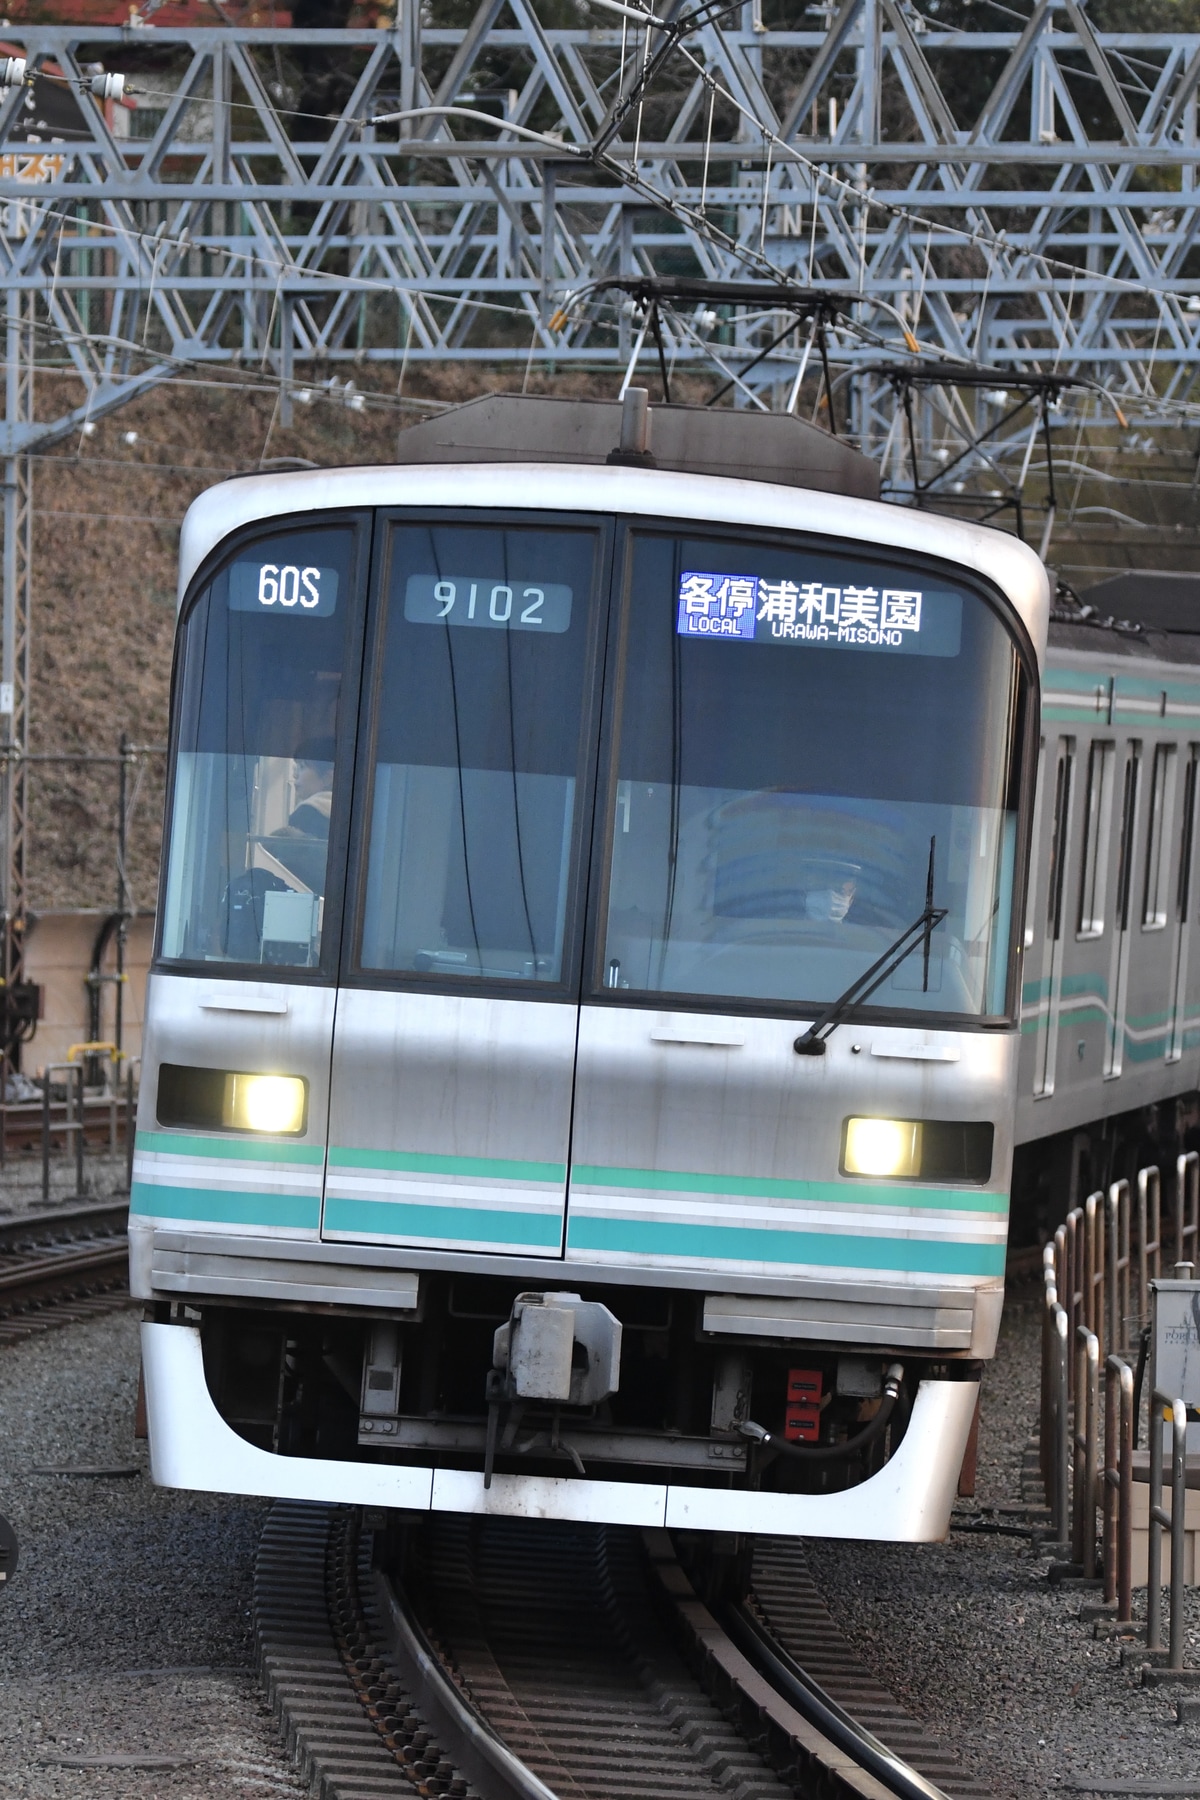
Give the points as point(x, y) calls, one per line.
point(1096, 1308)
point(1107, 1252)
point(65, 1121)
point(1166, 1406)
point(1118, 1488)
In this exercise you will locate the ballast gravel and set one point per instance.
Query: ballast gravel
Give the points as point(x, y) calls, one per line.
point(125, 1634)
point(975, 1640)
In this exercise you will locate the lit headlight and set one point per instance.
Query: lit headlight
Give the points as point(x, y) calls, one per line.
point(951, 1150)
point(882, 1147)
point(194, 1099)
point(272, 1103)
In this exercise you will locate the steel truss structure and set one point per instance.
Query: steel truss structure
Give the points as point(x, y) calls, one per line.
point(1023, 202)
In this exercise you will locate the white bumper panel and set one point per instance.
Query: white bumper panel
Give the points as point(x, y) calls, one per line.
point(909, 1501)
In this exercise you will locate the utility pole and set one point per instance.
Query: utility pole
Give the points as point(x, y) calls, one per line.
point(15, 1024)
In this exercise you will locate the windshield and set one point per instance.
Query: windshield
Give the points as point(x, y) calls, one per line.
point(261, 678)
point(480, 735)
point(803, 736)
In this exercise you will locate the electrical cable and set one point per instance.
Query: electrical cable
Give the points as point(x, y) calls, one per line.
point(893, 1381)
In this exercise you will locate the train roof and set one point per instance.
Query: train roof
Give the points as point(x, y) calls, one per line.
point(1143, 615)
point(631, 485)
point(690, 440)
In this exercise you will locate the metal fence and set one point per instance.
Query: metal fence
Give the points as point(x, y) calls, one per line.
point(1095, 1329)
point(86, 1111)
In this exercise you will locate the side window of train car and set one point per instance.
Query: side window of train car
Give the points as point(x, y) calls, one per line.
point(263, 648)
point(1064, 776)
point(480, 750)
point(812, 740)
point(1097, 838)
point(1129, 814)
point(1155, 899)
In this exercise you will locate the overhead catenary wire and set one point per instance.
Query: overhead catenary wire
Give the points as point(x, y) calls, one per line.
point(276, 264)
point(781, 149)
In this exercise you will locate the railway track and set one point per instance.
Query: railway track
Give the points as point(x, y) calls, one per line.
point(493, 1659)
point(61, 1265)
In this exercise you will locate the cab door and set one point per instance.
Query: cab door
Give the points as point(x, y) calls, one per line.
point(456, 1023)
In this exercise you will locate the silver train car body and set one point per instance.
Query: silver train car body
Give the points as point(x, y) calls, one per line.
point(477, 1169)
point(1111, 992)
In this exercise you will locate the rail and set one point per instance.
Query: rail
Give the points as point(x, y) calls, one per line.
point(372, 1690)
point(59, 1266)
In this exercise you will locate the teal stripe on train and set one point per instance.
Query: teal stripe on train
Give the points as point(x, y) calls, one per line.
point(225, 1206)
point(234, 1148)
point(753, 1244)
point(160, 1155)
point(468, 1225)
point(895, 1195)
point(419, 1162)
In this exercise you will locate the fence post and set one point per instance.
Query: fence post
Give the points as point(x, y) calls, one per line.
point(46, 1133)
point(1046, 1426)
point(1156, 1519)
point(1054, 1445)
point(1149, 1237)
point(1062, 1429)
point(1187, 1206)
point(1087, 1407)
point(1118, 1487)
point(1119, 1235)
point(79, 1146)
point(1072, 1288)
point(1110, 1498)
point(1094, 1271)
point(1178, 1522)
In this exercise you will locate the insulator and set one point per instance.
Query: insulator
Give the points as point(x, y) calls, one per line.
point(12, 71)
point(108, 87)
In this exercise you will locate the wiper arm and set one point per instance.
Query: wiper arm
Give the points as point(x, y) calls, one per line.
point(812, 1042)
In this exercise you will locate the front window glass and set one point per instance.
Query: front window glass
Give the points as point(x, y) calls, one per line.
point(260, 680)
point(480, 732)
point(811, 744)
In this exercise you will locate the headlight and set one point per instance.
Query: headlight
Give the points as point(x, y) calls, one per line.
point(274, 1103)
point(225, 1100)
point(951, 1150)
point(882, 1147)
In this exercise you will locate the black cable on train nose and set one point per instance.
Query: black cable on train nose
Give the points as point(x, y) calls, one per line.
point(810, 1453)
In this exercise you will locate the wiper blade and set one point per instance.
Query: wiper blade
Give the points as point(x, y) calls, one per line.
point(812, 1042)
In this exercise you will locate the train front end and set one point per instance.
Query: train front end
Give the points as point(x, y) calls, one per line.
point(580, 1057)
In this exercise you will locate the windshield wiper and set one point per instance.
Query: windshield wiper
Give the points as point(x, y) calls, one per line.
point(812, 1042)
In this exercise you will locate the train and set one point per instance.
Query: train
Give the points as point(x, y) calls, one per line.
point(630, 900)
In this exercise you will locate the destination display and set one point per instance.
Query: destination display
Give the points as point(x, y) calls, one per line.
point(299, 589)
point(751, 608)
point(512, 605)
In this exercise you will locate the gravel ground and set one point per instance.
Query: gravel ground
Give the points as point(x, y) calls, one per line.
point(125, 1644)
point(971, 1636)
point(125, 1634)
